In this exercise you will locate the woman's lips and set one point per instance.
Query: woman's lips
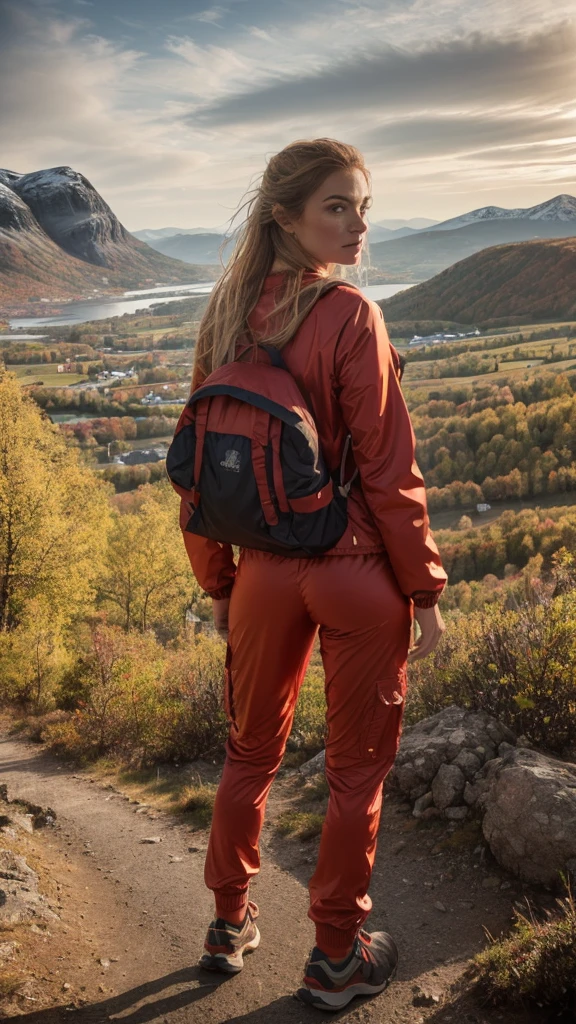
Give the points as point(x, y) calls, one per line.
point(353, 245)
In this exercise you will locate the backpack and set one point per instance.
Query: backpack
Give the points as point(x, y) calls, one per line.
point(246, 458)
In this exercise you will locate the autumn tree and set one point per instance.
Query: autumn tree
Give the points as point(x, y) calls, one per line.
point(54, 514)
point(148, 581)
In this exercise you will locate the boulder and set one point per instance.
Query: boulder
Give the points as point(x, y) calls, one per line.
point(422, 804)
point(448, 786)
point(455, 738)
point(20, 900)
point(529, 820)
point(315, 766)
point(443, 755)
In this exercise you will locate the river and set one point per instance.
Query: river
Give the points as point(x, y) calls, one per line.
point(84, 312)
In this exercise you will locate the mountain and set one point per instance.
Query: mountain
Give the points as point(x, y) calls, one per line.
point(151, 234)
point(59, 239)
point(415, 223)
point(530, 281)
point(560, 208)
point(379, 233)
point(426, 253)
point(192, 247)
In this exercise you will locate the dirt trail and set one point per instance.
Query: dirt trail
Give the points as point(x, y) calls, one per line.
point(149, 908)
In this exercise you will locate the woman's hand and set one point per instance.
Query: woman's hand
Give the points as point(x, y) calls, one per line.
point(220, 608)
point(431, 628)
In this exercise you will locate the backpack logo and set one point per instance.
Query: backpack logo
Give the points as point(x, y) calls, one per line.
point(231, 461)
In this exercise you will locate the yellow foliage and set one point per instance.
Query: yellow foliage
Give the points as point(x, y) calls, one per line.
point(54, 515)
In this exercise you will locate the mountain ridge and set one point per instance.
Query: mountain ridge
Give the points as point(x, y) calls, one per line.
point(426, 253)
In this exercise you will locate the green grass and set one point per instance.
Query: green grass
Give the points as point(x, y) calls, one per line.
point(316, 789)
point(198, 801)
point(29, 373)
point(536, 963)
point(299, 824)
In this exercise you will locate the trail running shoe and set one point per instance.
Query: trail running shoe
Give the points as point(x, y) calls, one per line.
point(225, 943)
point(368, 969)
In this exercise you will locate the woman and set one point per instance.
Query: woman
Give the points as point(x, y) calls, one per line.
point(307, 216)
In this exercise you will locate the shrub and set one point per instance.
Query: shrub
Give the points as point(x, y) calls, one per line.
point(536, 963)
point(518, 664)
point(69, 740)
point(141, 703)
point(190, 720)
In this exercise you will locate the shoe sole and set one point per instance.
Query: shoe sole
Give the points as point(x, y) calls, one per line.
point(331, 1002)
point(229, 963)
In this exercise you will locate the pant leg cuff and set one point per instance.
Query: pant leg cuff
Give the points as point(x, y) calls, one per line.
point(335, 942)
point(226, 902)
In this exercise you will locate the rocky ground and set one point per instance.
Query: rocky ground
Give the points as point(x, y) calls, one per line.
point(125, 881)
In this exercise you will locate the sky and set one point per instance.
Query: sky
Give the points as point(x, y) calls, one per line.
point(172, 109)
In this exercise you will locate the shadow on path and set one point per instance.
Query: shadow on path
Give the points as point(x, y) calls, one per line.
point(150, 1010)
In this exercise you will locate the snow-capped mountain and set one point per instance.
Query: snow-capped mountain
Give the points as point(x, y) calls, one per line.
point(58, 236)
point(560, 208)
point(72, 213)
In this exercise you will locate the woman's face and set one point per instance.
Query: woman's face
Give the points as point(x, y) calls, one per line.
point(333, 223)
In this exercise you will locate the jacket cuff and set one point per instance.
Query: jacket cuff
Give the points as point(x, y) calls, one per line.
point(221, 593)
point(426, 598)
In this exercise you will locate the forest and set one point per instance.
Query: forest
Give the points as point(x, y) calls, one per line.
point(513, 441)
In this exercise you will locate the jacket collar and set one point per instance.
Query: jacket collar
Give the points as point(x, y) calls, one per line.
point(273, 281)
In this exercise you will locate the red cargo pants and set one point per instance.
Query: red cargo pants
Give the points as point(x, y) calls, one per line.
point(276, 608)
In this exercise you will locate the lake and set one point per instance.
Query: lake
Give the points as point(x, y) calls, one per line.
point(83, 312)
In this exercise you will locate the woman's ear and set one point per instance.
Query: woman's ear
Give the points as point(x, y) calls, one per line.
point(282, 218)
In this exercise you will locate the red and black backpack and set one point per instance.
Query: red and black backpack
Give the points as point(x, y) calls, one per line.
point(246, 457)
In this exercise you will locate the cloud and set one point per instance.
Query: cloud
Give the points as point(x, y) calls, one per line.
point(211, 16)
point(174, 128)
point(477, 71)
point(70, 104)
point(477, 135)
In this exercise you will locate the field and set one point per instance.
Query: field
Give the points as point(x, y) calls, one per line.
point(32, 373)
point(531, 355)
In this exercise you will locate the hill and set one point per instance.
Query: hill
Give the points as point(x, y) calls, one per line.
point(59, 239)
point(425, 253)
point(532, 280)
point(191, 248)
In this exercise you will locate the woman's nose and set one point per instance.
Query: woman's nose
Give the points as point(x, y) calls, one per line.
point(359, 226)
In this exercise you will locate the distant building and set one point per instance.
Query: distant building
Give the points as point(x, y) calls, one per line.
point(139, 456)
point(440, 338)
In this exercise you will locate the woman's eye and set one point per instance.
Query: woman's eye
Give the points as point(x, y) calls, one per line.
point(336, 208)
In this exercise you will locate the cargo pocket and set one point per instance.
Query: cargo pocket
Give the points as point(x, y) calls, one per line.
point(228, 690)
point(381, 737)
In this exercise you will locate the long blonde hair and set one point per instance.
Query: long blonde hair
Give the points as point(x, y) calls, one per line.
point(290, 178)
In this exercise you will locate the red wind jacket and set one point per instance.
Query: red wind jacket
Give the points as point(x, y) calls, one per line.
point(342, 357)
